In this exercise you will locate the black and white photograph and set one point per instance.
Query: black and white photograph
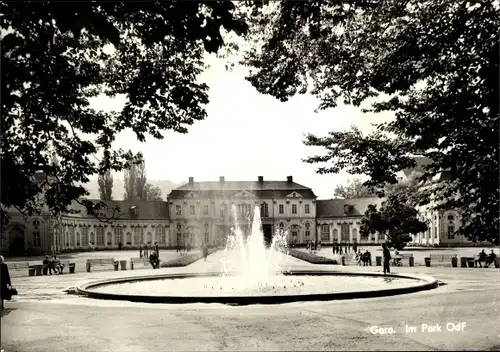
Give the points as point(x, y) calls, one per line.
point(252, 175)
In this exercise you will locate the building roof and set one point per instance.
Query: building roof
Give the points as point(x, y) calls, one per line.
point(334, 208)
point(264, 189)
point(144, 210)
point(421, 161)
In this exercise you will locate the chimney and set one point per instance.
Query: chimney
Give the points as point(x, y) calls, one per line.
point(191, 180)
point(289, 179)
point(261, 179)
point(221, 179)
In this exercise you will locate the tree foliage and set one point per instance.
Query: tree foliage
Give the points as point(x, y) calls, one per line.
point(433, 63)
point(153, 192)
point(397, 218)
point(141, 181)
point(352, 189)
point(105, 183)
point(57, 56)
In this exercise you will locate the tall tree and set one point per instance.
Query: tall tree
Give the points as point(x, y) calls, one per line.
point(56, 56)
point(434, 64)
point(105, 183)
point(129, 181)
point(141, 181)
point(353, 189)
point(397, 218)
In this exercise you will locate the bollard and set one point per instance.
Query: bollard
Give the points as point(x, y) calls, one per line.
point(411, 261)
point(379, 260)
point(123, 264)
point(427, 262)
point(497, 263)
point(88, 267)
point(131, 265)
point(116, 265)
point(72, 268)
point(470, 261)
point(454, 262)
point(463, 262)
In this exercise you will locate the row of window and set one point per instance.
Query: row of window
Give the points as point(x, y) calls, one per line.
point(160, 233)
point(243, 209)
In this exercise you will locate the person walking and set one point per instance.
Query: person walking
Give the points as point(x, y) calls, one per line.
point(5, 284)
point(140, 251)
point(157, 249)
point(386, 256)
point(205, 251)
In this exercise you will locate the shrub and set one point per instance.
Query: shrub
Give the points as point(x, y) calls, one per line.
point(310, 257)
point(185, 260)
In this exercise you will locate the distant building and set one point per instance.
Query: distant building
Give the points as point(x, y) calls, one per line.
point(339, 220)
point(201, 212)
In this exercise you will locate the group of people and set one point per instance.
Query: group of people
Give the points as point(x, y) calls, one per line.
point(52, 265)
point(346, 248)
point(364, 258)
point(487, 259)
point(183, 249)
point(146, 249)
point(151, 253)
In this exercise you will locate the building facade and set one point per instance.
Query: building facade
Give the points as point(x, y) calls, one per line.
point(204, 212)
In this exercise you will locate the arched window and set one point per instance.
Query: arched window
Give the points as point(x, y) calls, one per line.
point(264, 211)
point(118, 234)
point(109, 239)
point(160, 234)
point(344, 232)
point(85, 236)
point(335, 235)
point(325, 232)
point(149, 238)
point(72, 236)
point(138, 235)
point(129, 238)
point(100, 235)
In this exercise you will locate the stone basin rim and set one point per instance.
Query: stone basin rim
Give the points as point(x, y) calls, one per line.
point(427, 283)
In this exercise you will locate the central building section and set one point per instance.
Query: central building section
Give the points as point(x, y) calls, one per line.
point(201, 212)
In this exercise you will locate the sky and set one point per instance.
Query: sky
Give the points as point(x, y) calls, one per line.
point(245, 135)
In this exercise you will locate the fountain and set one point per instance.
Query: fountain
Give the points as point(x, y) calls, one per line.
point(250, 273)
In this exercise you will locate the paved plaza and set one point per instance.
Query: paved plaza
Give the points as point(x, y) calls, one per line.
point(43, 317)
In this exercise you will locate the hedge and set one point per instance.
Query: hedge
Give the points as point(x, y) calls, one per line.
point(185, 260)
point(310, 257)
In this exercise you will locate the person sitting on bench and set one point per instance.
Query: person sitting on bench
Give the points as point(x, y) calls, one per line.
point(153, 259)
point(480, 258)
point(490, 259)
point(56, 264)
point(47, 266)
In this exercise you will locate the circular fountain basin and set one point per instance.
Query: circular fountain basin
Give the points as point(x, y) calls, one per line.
point(293, 286)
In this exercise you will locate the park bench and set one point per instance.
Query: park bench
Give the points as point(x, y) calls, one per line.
point(102, 262)
point(67, 264)
point(442, 258)
point(142, 262)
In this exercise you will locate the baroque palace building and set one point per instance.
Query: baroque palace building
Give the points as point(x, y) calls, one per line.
point(201, 212)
